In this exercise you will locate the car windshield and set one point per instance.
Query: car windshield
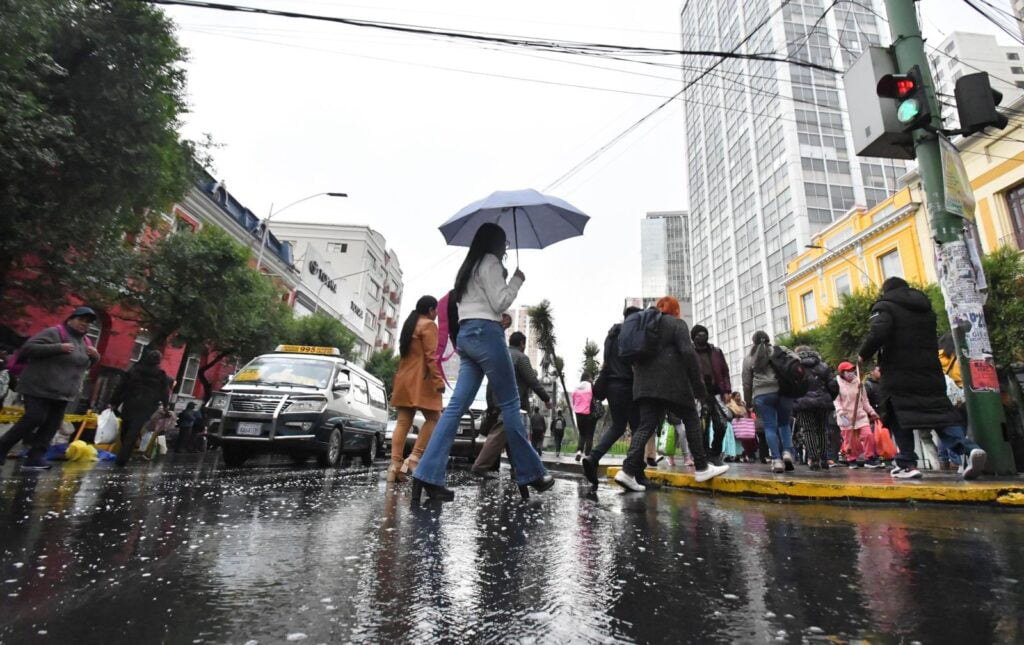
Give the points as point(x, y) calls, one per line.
point(285, 370)
point(479, 401)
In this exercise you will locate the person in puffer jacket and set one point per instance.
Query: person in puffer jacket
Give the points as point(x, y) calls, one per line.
point(811, 410)
point(855, 417)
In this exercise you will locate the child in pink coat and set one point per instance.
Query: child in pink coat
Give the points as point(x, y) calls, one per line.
point(855, 417)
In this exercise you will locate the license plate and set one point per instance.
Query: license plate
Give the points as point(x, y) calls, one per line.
point(249, 429)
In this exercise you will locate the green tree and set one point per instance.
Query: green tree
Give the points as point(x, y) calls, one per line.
point(91, 93)
point(383, 364)
point(321, 330)
point(812, 337)
point(199, 291)
point(1004, 309)
point(591, 366)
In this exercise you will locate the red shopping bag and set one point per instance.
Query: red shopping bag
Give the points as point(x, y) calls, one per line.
point(884, 445)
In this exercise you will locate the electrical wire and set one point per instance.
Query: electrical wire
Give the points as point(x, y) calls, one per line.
point(559, 46)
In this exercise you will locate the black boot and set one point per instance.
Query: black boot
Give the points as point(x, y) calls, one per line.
point(433, 491)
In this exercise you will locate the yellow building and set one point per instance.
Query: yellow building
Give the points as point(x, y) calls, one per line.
point(893, 238)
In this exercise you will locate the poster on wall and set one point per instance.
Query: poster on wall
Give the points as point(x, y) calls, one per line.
point(959, 197)
point(959, 277)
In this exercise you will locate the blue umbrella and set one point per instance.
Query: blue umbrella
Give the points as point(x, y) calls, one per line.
point(531, 219)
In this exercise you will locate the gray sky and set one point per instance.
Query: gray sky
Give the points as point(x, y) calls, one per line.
point(300, 107)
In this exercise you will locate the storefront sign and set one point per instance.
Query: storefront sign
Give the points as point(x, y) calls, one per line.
point(314, 268)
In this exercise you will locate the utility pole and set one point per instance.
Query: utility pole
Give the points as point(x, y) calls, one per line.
point(959, 284)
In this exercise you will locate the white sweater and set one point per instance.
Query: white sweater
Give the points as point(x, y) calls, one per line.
point(487, 296)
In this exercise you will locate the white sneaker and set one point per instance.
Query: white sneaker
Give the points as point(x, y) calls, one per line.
point(975, 463)
point(709, 472)
point(906, 473)
point(778, 466)
point(895, 470)
point(629, 482)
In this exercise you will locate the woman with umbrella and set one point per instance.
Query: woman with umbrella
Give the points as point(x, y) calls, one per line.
point(482, 295)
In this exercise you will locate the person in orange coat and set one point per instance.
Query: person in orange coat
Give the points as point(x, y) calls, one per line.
point(417, 386)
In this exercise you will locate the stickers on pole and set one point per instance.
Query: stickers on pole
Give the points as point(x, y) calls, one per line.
point(959, 276)
point(959, 197)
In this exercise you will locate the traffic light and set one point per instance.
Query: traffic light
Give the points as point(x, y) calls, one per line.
point(976, 103)
point(908, 89)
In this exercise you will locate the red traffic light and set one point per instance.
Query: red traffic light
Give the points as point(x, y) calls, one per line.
point(896, 86)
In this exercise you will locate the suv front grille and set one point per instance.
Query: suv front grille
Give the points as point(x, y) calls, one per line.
point(260, 405)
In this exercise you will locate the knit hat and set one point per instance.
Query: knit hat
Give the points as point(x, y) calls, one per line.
point(846, 366)
point(696, 330)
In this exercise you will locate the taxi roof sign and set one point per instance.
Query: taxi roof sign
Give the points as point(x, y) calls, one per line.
point(308, 349)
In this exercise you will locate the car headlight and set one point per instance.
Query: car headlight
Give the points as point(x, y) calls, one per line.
point(218, 401)
point(315, 405)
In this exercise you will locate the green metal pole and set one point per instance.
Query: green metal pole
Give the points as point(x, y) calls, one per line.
point(984, 408)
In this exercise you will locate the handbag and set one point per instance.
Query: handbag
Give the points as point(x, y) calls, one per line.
point(743, 428)
point(884, 445)
point(666, 444)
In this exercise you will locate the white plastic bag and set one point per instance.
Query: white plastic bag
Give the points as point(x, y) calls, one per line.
point(106, 427)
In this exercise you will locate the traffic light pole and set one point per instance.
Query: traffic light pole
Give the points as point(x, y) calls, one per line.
point(984, 407)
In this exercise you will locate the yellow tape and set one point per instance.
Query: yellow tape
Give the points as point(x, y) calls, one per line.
point(12, 414)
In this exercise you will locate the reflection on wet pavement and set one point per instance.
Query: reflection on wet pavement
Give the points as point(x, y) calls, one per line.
point(188, 553)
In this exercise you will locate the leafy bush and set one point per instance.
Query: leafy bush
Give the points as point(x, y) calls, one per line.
point(1004, 311)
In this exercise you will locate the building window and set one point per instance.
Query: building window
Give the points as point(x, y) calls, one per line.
point(374, 289)
point(94, 332)
point(1015, 200)
point(337, 247)
point(371, 320)
point(141, 343)
point(1017, 70)
point(188, 379)
point(889, 264)
point(1019, 84)
point(809, 307)
point(1012, 56)
point(842, 285)
point(949, 48)
point(182, 225)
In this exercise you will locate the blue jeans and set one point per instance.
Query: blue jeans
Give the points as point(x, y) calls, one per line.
point(482, 350)
point(776, 411)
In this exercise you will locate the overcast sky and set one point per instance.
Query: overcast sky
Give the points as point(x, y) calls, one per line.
point(415, 128)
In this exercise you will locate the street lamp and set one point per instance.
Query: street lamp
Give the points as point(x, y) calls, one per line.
point(316, 303)
point(844, 259)
point(266, 222)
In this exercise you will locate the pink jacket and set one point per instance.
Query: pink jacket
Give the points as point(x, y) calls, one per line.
point(581, 398)
point(853, 409)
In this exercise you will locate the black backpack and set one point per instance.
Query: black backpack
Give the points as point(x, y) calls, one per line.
point(790, 373)
point(638, 338)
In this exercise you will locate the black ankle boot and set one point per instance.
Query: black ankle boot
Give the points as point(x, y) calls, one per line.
point(433, 491)
point(540, 485)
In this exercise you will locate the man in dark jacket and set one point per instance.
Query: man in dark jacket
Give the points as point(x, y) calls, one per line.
point(526, 380)
point(715, 373)
point(57, 360)
point(538, 426)
point(668, 381)
point(616, 385)
point(903, 333)
point(145, 389)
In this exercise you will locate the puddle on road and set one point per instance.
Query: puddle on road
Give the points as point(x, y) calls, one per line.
point(183, 553)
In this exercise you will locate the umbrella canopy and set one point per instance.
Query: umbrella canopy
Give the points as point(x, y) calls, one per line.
point(531, 220)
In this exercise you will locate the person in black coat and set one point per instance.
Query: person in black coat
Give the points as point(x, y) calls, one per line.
point(811, 409)
point(903, 333)
point(143, 390)
point(669, 381)
point(614, 383)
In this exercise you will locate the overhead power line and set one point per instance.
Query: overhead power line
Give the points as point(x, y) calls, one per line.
point(552, 45)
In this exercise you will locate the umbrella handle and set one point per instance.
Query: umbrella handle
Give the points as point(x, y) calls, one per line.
point(515, 231)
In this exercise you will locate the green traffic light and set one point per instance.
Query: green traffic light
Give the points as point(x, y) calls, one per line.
point(908, 111)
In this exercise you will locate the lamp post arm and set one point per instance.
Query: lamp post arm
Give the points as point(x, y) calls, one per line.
point(844, 259)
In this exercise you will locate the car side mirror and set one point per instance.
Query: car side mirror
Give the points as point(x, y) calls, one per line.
point(342, 386)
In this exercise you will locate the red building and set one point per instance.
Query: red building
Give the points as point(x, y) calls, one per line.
point(120, 340)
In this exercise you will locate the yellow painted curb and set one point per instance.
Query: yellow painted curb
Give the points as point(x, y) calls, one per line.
point(1001, 493)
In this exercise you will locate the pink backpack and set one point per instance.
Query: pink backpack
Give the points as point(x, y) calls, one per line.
point(16, 364)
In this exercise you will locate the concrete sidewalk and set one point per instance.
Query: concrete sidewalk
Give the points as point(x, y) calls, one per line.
point(840, 483)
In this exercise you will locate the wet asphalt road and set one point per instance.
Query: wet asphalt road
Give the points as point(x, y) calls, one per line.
point(187, 552)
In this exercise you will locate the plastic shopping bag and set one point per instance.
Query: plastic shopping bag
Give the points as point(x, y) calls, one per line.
point(730, 446)
point(884, 445)
point(667, 439)
point(106, 427)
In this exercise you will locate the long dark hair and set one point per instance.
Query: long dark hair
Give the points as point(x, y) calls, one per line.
point(423, 307)
point(489, 238)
